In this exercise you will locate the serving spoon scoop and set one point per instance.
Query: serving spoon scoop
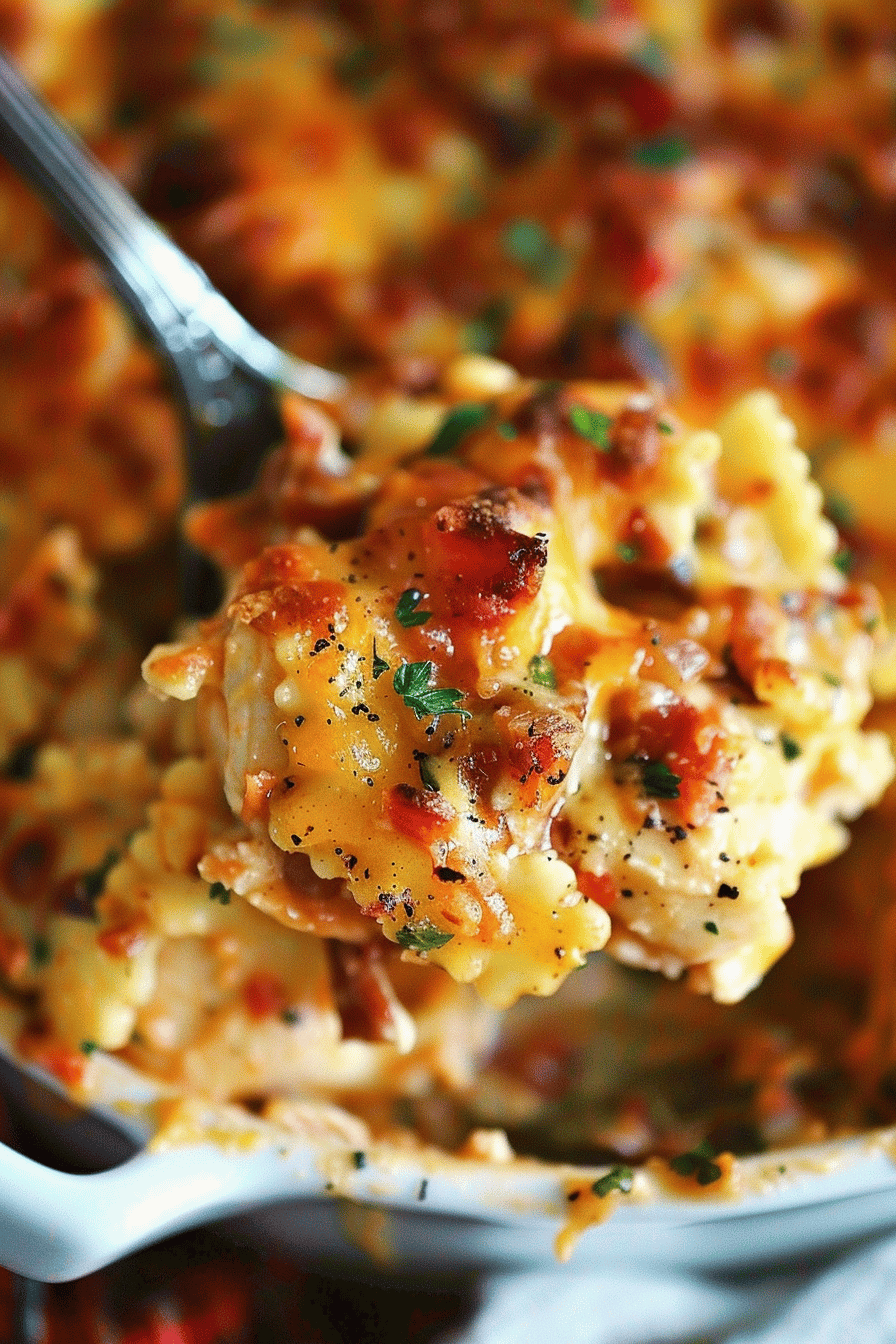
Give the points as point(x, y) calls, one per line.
point(227, 377)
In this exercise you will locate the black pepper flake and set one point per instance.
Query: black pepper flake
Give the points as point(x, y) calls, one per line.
point(626, 891)
point(289, 782)
point(320, 646)
point(573, 1196)
point(727, 893)
point(296, 839)
point(723, 809)
point(360, 1160)
point(449, 875)
point(723, 857)
point(424, 1186)
point(679, 833)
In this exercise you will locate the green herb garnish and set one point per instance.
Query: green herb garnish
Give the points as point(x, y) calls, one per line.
point(458, 423)
point(592, 425)
point(428, 777)
point(664, 427)
point(291, 1016)
point(711, 927)
point(412, 682)
point(844, 560)
point(360, 1160)
point(218, 892)
point(699, 1163)
point(41, 951)
point(790, 748)
point(529, 245)
point(379, 664)
point(629, 553)
point(88, 1047)
point(92, 882)
point(617, 1178)
point(662, 152)
point(423, 936)
point(839, 509)
point(542, 672)
point(507, 431)
point(484, 332)
point(658, 781)
point(406, 612)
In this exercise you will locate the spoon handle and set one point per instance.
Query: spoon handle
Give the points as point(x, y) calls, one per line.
point(166, 292)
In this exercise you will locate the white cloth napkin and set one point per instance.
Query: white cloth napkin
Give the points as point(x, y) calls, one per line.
point(852, 1301)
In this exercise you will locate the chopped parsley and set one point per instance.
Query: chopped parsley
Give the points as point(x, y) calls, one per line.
point(711, 927)
point(41, 951)
point(360, 69)
point(428, 777)
point(529, 245)
point(790, 748)
point(406, 612)
point(617, 1178)
point(542, 672)
point(88, 1047)
point(699, 1164)
point(507, 431)
point(840, 511)
point(662, 152)
point(291, 1016)
point(628, 552)
point(218, 892)
point(484, 333)
point(423, 936)
point(592, 425)
point(92, 882)
point(360, 1160)
point(379, 664)
point(412, 682)
point(458, 423)
point(664, 427)
point(844, 560)
point(658, 781)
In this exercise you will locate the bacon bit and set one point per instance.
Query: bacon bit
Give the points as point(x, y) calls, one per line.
point(642, 533)
point(689, 741)
point(419, 814)
point(14, 956)
point(589, 81)
point(66, 1064)
point(362, 992)
point(711, 370)
point(315, 605)
point(264, 994)
point(597, 887)
point(126, 938)
point(634, 444)
point(257, 796)
point(485, 568)
point(26, 865)
point(539, 749)
point(754, 622)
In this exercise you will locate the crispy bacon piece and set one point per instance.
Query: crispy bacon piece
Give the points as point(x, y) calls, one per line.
point(486, 569)
point(362, 992)
point(634, 443)
point(419, 814)
point(689, 741)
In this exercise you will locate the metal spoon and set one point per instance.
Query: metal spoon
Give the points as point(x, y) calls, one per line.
point(227, 377)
